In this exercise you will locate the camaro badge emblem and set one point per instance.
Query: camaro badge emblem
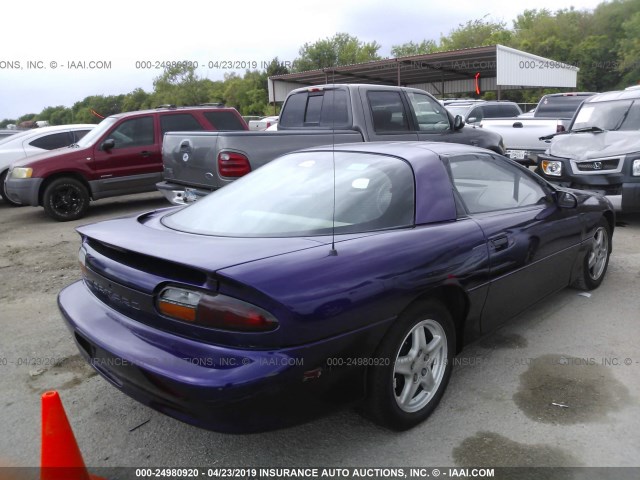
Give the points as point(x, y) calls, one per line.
point(597, 165)
point(185, 157)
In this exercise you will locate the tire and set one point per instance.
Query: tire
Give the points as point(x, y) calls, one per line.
point(596, 260)
point(65, 199)
point(406, 389)
point(3, 192)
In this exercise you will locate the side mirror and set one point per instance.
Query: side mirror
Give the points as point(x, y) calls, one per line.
point(458, 122)
point(108, 144)
point(472, 120)
point(567, 200)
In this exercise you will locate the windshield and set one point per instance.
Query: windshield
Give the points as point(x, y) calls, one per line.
point(90, 138)
point(614, 115)
point(294, 196)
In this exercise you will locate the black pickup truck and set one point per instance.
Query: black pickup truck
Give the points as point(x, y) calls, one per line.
point(196, 163)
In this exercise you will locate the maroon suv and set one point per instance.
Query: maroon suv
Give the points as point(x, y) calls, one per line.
point(122, 155)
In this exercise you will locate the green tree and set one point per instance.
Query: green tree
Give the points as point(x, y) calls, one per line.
point(7, 121)
point(180, 85)
point(341, 49)
point(138, 99)
point(410, 48)
point(475, 33)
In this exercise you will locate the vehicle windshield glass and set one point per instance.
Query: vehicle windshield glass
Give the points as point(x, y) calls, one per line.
point(294, 196)
point(614, 115)
point(97, 132)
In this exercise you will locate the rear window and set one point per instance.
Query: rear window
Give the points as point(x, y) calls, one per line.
point(225, 120)
point(308, 193)
point(326, 108)
point(560, 106)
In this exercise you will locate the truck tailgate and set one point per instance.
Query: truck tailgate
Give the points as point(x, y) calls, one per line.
point(522, 135)
point(190, 158)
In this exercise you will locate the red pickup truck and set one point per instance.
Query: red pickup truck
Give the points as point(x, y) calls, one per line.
point(122, 155)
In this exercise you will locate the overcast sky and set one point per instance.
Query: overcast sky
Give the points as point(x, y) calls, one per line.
point(42, 41)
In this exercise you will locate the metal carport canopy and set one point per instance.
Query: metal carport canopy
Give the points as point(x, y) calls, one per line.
point(497, 68)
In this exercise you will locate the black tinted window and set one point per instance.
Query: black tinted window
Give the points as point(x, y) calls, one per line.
point(388, 112)
point(78, 134)
point(53, 141)
point(327, 108)
point(509, 110)
point(182, 122)
point(133, 133)
point(224, 121)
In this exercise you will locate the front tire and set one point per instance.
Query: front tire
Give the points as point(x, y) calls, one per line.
point(596, 260)
point(3, 191)
point(65, 199)
point(420, 347)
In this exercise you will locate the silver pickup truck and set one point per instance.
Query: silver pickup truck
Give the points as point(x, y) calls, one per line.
point(522, 136)
point(196, 163)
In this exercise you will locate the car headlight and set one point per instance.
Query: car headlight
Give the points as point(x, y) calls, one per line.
point(636, 168)
point(551, 167)
point(21, 172)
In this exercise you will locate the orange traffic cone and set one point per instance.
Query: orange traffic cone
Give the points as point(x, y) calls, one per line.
point(61, 458)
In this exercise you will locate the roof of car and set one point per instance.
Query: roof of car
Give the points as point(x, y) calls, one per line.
point(629, 93)
point(32, 132)
point(411, 151)
point(170, 108)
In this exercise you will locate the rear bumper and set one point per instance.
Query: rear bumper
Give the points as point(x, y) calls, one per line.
point(179, 194)
point(23, 190)
point(210, 386)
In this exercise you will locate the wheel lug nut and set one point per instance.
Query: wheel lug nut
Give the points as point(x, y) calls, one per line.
point(415, 377)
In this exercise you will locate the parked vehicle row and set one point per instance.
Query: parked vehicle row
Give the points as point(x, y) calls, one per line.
point(522, 136)
point(122, 155)
point(198, 163)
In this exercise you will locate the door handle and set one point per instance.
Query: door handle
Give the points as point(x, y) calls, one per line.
point(518, 125)
point(500, 243)
point(145, 153)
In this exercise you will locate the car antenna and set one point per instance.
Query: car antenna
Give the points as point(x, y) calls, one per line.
point(333, 252)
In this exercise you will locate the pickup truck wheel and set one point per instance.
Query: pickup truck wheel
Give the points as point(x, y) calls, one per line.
point(596, 259)
point(3, 192)
point(65, 199)
point(412, 367)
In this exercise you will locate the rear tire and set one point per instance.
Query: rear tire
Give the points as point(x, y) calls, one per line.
point(65, 199)
point(3, 191)
point(406, 389)
point(596, 260)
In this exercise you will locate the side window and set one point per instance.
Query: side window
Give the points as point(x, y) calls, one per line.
point(78, 134)
point(486, 184)
point(53, 141)
point(476, 115)
point(430, 114)
point(133, 133)
point(388, 112)
point(509, 111)
point(179, 122)
point(224, 120)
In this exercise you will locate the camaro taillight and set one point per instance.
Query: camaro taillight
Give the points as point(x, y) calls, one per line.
point(232, 164)
point(215, 311)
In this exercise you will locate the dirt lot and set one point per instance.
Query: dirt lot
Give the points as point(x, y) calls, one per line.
point(577, 352)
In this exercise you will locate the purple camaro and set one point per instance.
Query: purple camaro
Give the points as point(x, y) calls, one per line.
point(331, 274)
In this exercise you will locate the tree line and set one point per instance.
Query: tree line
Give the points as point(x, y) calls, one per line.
point(604, 43)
